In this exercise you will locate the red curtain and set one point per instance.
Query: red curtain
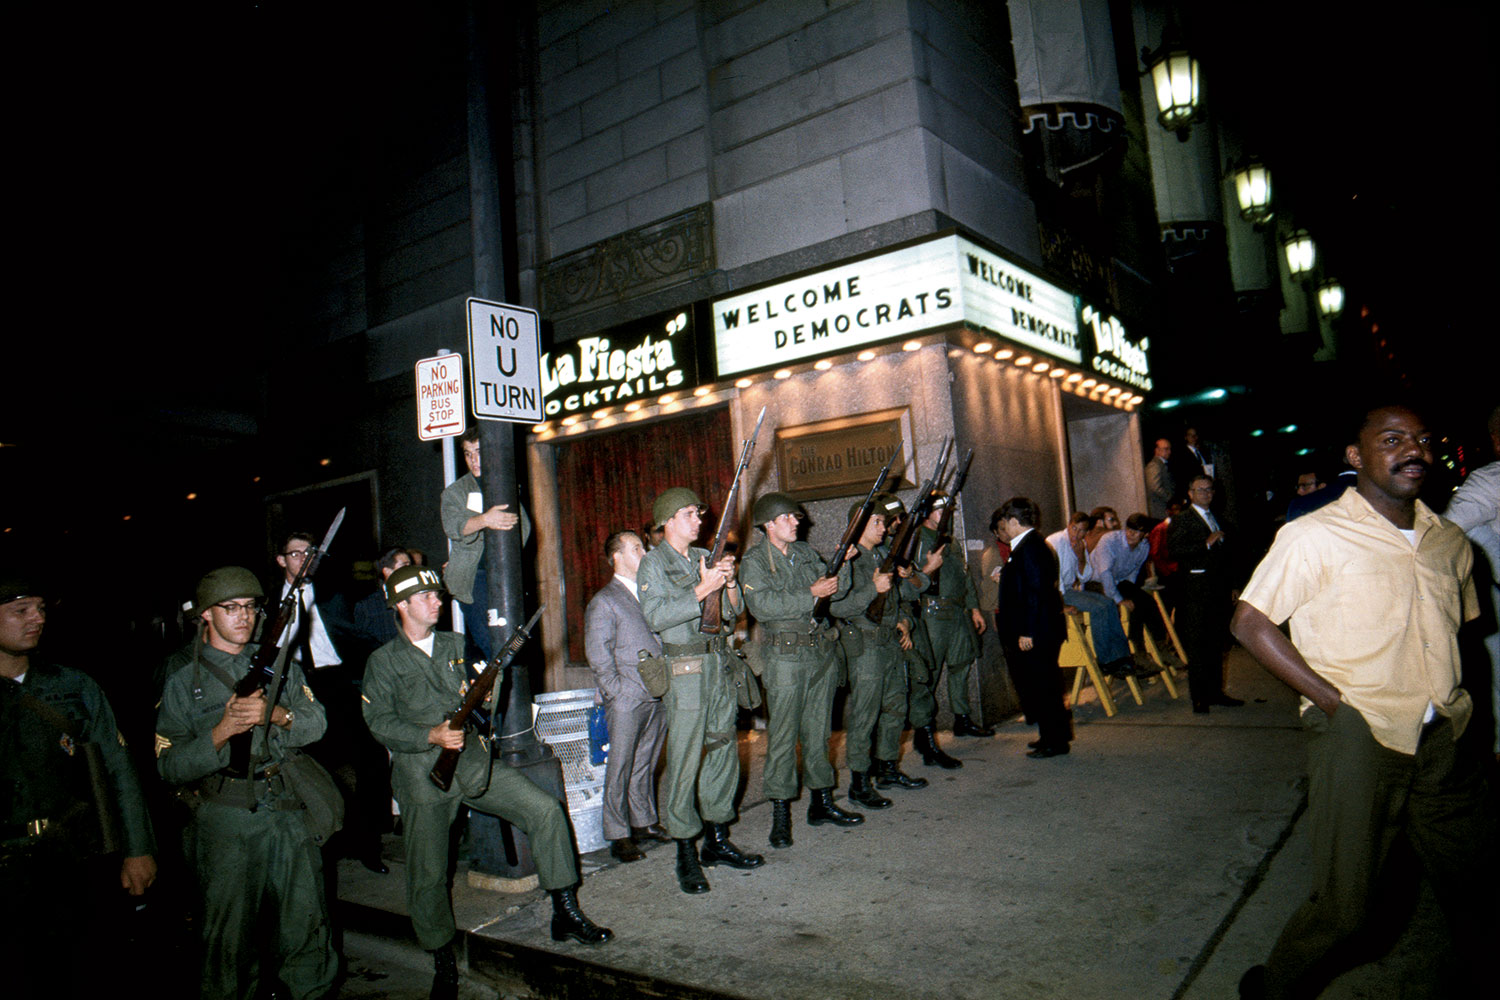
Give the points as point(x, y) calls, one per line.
point(606, 483)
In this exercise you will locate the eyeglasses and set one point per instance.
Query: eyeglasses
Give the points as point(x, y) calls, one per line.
point(297, 553)
point(239, 609)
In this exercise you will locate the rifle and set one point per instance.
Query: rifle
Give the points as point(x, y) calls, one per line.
point(442, 772)
point(711, 621)
point(263, 663)
point(904, 546)
point(851, 535)
point(945, 522)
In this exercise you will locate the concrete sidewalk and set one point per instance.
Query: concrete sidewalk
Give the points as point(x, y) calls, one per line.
point(1159, 859)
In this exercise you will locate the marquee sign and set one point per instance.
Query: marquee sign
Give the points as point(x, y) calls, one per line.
point(897, 294)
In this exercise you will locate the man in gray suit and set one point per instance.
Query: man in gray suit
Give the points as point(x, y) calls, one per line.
point(614, 633)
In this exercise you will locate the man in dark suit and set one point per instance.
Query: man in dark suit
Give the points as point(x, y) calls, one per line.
point(614, 634)
point(1198, 544)
point(1029, 622)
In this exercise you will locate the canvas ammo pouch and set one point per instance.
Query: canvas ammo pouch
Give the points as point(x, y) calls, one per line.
point(322, 804)
point(655, 673)
point(746, 687)
point(852, 637)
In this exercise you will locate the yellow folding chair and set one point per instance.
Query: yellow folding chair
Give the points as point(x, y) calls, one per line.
point(1077, 652)
point(1151, 651)
point(1171, 630)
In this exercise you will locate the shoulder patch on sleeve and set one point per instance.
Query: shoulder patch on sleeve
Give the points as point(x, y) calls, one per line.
point(162, 744)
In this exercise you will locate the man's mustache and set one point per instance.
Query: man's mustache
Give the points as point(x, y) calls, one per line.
point(1413, 463)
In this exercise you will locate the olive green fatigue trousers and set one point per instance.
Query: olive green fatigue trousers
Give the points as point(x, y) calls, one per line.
point(877, 700)
point(703, 759)
point(425, 829)
point(254, 864)
point(799, 683)
point(954, 644)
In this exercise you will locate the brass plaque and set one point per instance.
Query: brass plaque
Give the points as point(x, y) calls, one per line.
point(842, 457)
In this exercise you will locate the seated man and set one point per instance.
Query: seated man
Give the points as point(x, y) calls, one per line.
point(1075, 570)
point(411, 683)
point(1117, 562)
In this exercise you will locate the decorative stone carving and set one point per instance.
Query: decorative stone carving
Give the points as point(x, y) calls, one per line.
point(663, 253)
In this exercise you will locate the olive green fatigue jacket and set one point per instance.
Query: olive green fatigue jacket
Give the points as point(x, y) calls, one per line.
point(39, 778)
point(776, 584)
point(851, 606)
point(461, 500)
point(193, 702)
point(666, 579)
point(406, 693)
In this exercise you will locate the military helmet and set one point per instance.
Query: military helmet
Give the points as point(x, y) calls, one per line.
point(409, 580)
point(15, 585)
point(940, 499)
point(670, 502)
point(773, 505)
point(224, 584)
point(890, 505)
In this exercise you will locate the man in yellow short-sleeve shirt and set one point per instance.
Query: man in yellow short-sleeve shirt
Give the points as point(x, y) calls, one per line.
point(1375, 586)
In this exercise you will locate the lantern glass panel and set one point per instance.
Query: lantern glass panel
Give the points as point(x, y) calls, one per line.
point(1301, 253)
point(1252, 187)
point(1331, 298)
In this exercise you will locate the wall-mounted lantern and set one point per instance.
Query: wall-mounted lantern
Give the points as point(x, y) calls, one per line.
point(1301, 252)
point(1174, 77)
point(1330, 297)
point(1252, 187)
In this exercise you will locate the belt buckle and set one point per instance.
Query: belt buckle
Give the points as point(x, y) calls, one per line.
point(36, 827)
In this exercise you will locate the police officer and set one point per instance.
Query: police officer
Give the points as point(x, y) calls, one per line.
point(783, 578)
point(703, 764)
point(58, 874)
point(410, 684)
point(877, 680)
point(251, 848)
point(950, 611)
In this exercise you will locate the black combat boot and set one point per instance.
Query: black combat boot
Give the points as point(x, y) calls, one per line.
point(781, 822)
point(717, 849)
point(925, 741)
point(964, 726)
point(568, 920)
point(862, 790)
point(689, 875)
point(888, 775)
point(445, 973)
point(824, 810)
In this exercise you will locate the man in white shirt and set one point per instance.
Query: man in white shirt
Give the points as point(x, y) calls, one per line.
point(1075, 570)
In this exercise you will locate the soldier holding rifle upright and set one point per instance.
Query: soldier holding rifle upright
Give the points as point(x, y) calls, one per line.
point(251, 849)
point(675, 579)
point(950, 611)
point(783, 579)
point(411, 684)
point(877, 684)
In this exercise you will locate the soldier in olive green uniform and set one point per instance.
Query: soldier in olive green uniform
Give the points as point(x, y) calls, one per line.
point(877, 680)
point(950, 611)
point(703, 764)
point(783, 578)
point(411, 684)
point(53, 852)
point(251, 849)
